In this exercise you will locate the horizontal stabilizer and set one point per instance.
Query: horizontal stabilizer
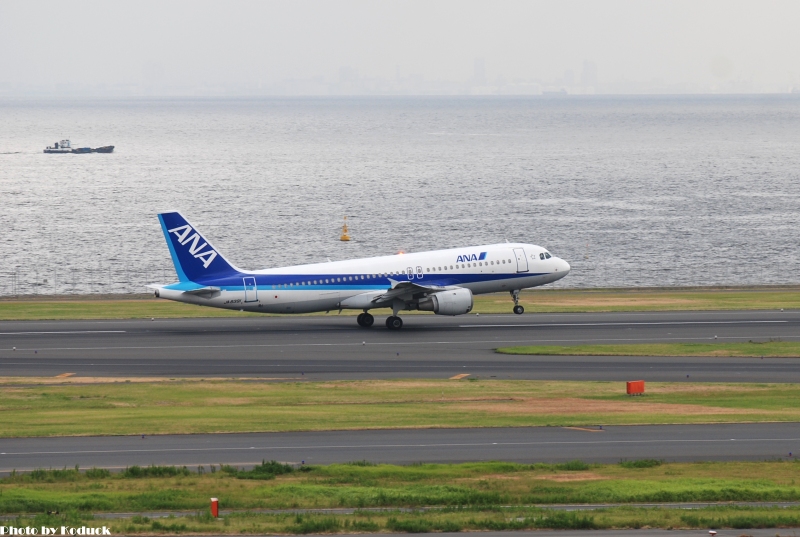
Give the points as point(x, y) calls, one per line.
point(203, 291)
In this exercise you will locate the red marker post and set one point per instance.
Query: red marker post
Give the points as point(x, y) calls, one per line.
point(215, 507)
point(635, 387)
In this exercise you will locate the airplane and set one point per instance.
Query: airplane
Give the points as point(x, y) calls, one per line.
point(441, 281)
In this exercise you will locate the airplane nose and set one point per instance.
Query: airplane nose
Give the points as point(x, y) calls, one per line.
point(563, 267)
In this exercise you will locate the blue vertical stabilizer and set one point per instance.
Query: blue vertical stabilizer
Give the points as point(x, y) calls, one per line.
point(194, 257)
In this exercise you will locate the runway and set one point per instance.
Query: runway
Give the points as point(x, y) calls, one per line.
point(333, 347)
point(757, 441)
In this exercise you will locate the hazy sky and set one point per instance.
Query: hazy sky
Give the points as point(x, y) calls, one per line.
point(694, 43)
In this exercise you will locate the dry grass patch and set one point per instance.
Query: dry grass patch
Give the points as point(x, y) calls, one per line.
point(572, 476)
point(692, 388)
point(236, 401)
point(571, 406)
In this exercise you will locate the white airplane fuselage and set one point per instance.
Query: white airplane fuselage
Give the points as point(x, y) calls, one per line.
point(441, 281)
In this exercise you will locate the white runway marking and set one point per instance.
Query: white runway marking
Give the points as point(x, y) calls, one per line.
point(660, 323)
point(406, 446)
point(65, 332)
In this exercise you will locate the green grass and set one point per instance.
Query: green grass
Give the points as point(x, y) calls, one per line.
point(784, 349)
point(469, 519)
point(212, 406)
point(342, 485)
point(536, 301)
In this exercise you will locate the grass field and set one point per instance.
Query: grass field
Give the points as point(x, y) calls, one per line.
point(469, 496)
point(536, 301)
point(207, 406)
point(469, 519)
point(784, 349)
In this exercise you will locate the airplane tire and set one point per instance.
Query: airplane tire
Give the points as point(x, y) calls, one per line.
point(394, 323)
point(365, 320)
point(519, 310)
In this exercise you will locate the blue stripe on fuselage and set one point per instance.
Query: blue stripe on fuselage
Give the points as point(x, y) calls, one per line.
point(300, 281)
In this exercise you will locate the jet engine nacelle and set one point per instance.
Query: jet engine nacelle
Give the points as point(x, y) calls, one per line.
point(455, 302)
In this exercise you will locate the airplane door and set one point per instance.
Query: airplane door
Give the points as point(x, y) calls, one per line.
point(522, 261)
point(250, 289)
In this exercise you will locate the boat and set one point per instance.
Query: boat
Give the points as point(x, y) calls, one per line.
point(59, 147)
point(65, 146)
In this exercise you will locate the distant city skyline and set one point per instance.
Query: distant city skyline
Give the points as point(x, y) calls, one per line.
point(398, 48)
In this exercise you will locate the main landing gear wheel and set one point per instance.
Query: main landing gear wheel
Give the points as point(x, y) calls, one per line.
point(394, 323)
point(519, 310)
point(365, 320)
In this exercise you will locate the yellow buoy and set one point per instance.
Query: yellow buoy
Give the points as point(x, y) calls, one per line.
point(345, 236)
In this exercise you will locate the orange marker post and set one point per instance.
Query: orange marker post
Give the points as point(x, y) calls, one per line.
point(635, 387)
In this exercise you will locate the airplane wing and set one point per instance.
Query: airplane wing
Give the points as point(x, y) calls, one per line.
point(403, 289)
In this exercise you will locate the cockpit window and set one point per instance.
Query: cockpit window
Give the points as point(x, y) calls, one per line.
point(547, 255)
point(541, 256)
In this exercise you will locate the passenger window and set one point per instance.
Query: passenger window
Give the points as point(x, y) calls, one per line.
point(427, 270)
point(451, 267)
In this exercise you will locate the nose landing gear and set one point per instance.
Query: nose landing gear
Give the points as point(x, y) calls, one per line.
point(365, 320)
point(519, 310)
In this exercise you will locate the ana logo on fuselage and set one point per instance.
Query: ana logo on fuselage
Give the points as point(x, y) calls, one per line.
point(184, 236)
point(471, 257)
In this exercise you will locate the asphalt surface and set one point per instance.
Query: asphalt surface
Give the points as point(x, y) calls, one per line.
point(755, 441)
point(334, 347)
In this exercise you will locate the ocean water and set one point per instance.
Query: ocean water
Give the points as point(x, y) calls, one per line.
point(632, 191)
